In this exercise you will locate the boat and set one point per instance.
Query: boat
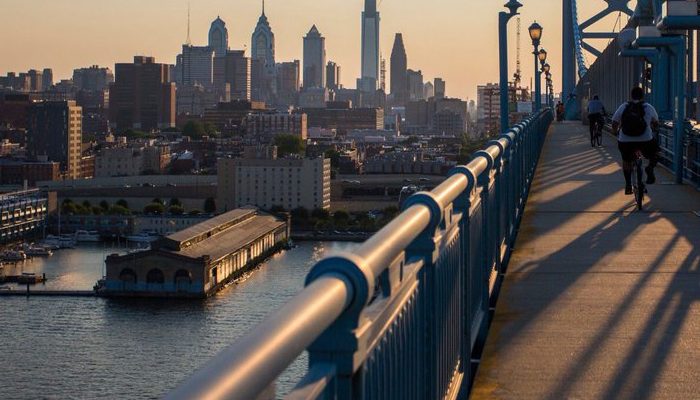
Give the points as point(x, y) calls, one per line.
point(37, 251)
point(14, 255)
point(54, 242)
point(143, 237)
point(87, 236)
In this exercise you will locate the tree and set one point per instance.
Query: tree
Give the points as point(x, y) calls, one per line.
point(104, 205)
point(86, 204)
point(97, 210)
point(176, 210)
point(210, 205)
point(289, 144)
point(195, 212)
point(154, 209)
point(300, 214)
point(70, 208)
point(320, 214)
point(340, 216)
point(118, 210)
point(194, 129)
point(123, 203)
point(175, 202)
point(334, 155)
point(158, 200)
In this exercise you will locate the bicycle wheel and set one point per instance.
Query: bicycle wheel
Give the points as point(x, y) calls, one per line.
point(599, 137)
point(639, 182)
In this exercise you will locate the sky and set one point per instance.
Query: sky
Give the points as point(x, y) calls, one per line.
point(452, 39)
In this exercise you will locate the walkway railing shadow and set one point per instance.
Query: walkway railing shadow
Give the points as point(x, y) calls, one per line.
point(399, 317)
point(608, 236)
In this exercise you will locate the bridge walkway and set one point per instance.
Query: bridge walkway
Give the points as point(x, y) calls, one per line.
point(599, 301)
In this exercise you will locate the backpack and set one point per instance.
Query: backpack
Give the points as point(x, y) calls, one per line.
point(633, 122)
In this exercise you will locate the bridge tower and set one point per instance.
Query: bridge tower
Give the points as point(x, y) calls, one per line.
point(575, 35)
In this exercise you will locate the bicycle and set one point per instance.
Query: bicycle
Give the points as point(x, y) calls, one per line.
point(597, 136)
point(638, 186)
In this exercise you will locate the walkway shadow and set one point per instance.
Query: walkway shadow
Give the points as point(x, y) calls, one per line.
point(580, 229)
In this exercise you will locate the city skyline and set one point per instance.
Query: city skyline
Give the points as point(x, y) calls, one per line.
point(53, 44)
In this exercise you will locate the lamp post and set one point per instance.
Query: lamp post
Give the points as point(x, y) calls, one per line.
point(503, 18)
point(535, 31)
point(545, 71)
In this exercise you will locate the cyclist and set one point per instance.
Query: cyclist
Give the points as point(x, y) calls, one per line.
point(633, 123)
point(596, 117)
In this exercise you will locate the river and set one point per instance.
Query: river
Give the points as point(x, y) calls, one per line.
point(88, 348)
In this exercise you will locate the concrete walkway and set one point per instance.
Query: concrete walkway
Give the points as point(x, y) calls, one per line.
point(599, 301)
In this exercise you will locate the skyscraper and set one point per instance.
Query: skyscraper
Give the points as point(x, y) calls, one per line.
point(263, 60)
point(197, 65)
point(439, 88)
point(218, 37)
point(415, 84)
point(332, 76)
point(237, 74)
point(263, 41)
point(399, 66)
point(370, 47)
point(314, 59)
point(55, 134)
point(142, 96)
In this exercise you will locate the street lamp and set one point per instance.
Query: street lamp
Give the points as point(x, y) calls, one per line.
point(503, 18)
point(535, 31)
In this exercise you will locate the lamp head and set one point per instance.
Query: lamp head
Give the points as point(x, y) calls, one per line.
point(535, 31)
point(513, 6)
point(542, 56)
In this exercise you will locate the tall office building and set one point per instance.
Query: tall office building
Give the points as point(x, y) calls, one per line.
point(142, 96)
point(218, 37)
point(237, 74)
point(428, 90)
point(92, 78)
point(314, 59)
point(55, 134)
point(197, 65)
point(263, 60)
point(370, 48)
point(263, 41)
point(333, 76)
point(288, 83)
point(399, 75)
point(415, 84)
point(439, 88)
point(47, 79)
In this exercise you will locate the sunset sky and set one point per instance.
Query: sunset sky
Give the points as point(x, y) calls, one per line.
point(454, 39)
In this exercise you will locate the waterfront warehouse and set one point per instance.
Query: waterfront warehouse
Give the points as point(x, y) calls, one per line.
point(197, 261)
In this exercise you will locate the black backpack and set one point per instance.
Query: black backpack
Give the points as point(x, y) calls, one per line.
point(633, 122)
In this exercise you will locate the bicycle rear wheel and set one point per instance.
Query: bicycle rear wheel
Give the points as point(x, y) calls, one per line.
point(639, 182)
point(599, 137)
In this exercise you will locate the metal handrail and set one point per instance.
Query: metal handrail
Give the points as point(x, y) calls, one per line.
point(344, 283)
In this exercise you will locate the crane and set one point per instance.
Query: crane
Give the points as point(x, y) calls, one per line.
point(518, 71)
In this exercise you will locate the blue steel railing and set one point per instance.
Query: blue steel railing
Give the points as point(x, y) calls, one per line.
point(399, 317)
point(691, 147)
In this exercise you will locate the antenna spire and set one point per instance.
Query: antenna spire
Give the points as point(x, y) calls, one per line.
point(263, 5)
point(189, 42)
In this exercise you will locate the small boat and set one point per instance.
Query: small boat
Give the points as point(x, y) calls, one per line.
point(37, 251)
point(14, 255)
point(59, 242)
point(87, 236)
point(143, 237)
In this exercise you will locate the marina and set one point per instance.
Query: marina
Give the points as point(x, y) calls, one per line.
point(90, 347)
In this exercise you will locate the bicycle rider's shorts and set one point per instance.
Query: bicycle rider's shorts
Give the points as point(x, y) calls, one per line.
point(627, 149)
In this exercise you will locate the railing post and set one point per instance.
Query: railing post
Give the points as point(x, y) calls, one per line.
point(463, 205)
point(484, 182)
point(340, 342)
point(426, 247)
